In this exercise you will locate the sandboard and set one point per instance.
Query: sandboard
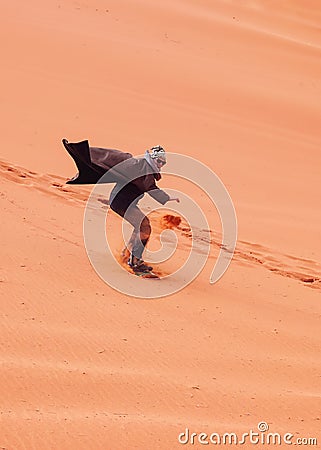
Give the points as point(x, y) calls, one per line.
point(123, 260)
point(147, 275)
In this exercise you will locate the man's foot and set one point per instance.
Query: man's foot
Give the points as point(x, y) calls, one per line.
point(138, 265)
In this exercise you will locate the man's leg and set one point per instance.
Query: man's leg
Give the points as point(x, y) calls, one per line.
point(141, 232)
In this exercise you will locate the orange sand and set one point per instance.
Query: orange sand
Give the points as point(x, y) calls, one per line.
point(234, 84)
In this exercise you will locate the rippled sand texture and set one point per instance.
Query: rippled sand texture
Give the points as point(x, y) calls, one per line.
point(233, 84)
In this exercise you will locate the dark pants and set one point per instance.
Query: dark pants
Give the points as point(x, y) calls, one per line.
point(141, 224)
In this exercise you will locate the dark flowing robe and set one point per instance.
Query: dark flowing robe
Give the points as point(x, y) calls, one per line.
point(92, 163)
point(133, 177)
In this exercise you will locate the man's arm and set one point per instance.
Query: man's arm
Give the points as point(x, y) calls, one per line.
point(174, 199)
point(159, 195)
point(148, 184)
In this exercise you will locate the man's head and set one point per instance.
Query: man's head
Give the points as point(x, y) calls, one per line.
point(158, 155)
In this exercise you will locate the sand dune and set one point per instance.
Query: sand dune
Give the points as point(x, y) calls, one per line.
point(233, 84)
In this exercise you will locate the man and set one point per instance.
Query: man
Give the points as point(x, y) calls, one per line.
point(133, 177)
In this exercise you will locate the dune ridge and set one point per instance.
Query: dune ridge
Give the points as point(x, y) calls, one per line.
point(233, 84)
point(301, 269)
